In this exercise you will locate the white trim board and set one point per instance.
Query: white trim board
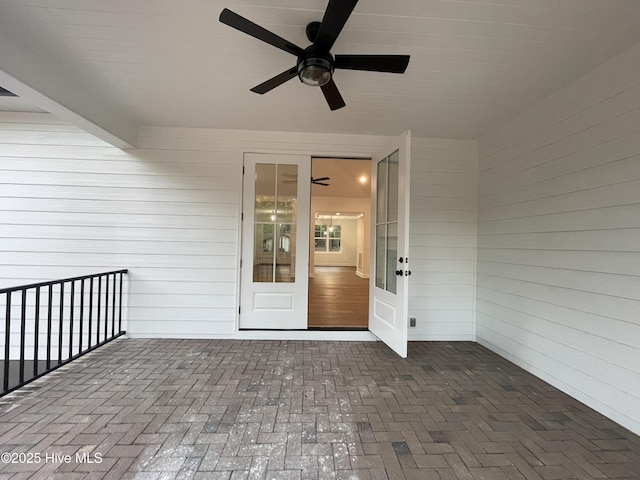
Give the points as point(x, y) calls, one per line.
point(332, 335)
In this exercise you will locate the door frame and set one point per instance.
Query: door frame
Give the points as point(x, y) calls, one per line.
point(361, 204)
point(347, 150)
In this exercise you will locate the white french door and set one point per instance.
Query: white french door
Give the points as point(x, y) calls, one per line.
point(388, 287)
point(275, 241)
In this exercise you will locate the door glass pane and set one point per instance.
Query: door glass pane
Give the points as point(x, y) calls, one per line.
point(287, 193)
point(381, 211)
point(265, 208)
point(263, 253)
point(274, 226)
point(286, 253)
point(381, 236)
point(392, 253)
point(392, 209)
point(387, 202)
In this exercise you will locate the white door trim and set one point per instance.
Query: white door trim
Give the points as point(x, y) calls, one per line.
point(365, 149)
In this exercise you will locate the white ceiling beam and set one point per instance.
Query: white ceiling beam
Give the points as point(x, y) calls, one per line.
point(32, 69)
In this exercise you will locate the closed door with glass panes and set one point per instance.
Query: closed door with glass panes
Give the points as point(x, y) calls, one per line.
point(274, 264)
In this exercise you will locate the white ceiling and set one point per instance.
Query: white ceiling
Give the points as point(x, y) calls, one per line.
point(474, 63)
point(345, 177)
point(17, 104)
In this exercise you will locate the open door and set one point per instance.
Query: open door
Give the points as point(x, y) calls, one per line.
point(275, 241)
point(388, 287)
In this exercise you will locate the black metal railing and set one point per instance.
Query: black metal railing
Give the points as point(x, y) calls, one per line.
point(49, 324)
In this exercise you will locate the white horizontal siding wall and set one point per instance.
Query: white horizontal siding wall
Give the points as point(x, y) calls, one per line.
point(230, 144)
point(558, 273)
point(443, 238)
point(170, 212)
point(73, 205)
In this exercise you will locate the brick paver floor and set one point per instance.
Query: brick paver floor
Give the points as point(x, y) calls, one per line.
point(225, 409)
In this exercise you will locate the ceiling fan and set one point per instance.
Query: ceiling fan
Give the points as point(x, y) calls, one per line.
point(315, 64)
point(319, 181)
point(315, 181)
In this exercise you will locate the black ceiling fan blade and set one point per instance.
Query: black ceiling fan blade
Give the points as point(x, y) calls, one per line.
point(247, 26)
point(335, 16)
point(373, 63)
point(321, 179)
point(6, 93)
point(332, 95)
point(275, 81)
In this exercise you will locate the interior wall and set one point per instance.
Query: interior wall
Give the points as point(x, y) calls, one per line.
point(352, 246)
point(558, 281)
point(347, 257)
point(363, 263)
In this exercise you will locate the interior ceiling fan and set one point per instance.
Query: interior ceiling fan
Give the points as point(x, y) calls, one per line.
point(315, 181)
point(320, 181)
point(315, 64)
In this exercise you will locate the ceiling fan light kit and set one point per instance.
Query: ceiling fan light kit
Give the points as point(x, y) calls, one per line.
point(315, 71)
point(315, 64)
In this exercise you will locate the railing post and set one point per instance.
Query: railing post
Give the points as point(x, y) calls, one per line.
point(98, 310)
point(73, 293)
point(36, 329)
point(81, 315)
point(90, 311)
point(7, 337)
point(49, 321)
point(113, 308)
point(106, 307)
point(120, 306)
point(61, 321)
point(23, 328)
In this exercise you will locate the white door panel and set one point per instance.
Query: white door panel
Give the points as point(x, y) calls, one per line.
point(275, 242)
point(389, 295)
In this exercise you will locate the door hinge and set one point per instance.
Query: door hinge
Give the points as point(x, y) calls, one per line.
point(243, 169)
point(242, 216)
point(240, 262)
point(239, 310)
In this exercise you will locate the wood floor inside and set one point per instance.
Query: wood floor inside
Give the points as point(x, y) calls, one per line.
point(338, 298)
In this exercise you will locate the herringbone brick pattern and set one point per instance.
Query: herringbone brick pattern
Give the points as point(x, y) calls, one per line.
point(223, 409)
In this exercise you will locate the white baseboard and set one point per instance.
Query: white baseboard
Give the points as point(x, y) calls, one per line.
point(362, 275)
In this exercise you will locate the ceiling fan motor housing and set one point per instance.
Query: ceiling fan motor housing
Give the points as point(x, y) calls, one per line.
point(315, 66)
